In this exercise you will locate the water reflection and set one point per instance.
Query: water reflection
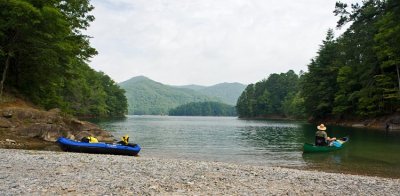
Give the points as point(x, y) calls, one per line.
point(315, 159)
point(284, 138)
point(277, 143)
point(368, 152)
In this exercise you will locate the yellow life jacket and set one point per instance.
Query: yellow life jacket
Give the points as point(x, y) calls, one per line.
point(125, 139)
point(92, 139)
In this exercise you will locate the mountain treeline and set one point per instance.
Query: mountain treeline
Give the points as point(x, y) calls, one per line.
point(227, 92)
point(44, 57)
point(203, 109)
point(353, 76)
point(148, 97)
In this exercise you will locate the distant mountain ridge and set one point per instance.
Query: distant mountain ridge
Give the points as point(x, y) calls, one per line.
point(146, 96)
point(228, 93)
point(192, 86)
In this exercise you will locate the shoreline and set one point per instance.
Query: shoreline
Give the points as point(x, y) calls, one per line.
point(27, 172)
point(318, 168)
point(378, 123)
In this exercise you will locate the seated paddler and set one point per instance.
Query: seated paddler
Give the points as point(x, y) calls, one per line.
point(321, 137)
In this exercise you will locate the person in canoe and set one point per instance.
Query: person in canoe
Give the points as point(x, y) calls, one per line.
point(321, 137)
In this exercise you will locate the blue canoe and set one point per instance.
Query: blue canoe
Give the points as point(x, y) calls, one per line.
point(98, 148)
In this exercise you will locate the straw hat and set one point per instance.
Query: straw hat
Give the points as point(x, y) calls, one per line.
point(321, 127)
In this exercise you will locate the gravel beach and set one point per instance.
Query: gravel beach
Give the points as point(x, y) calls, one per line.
point(30, 172)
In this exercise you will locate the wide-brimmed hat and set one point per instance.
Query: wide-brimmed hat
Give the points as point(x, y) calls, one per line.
point(321, 127)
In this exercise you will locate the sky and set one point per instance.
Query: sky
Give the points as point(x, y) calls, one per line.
point(205, 42)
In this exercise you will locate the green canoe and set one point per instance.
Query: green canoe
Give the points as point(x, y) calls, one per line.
point(313, 148)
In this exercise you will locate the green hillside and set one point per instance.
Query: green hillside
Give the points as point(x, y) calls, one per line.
point(228, 93)
point(192, 86)
point(146, 96)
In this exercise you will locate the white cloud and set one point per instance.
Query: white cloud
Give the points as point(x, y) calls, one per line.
point(207, 41)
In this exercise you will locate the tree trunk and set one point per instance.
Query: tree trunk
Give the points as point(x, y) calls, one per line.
point(3, 79)
point(398, 76)
point(7, 64)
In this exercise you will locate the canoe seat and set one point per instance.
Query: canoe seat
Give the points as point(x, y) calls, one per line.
point(320, 141)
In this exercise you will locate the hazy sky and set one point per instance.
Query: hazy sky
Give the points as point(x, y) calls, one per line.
point(207, 41)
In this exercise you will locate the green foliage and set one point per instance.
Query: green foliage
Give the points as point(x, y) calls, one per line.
point(388, 50)
point(152, 98)
point(203, 109)
point(93, 93)
point(246, 102)
point(355, 75)
point(42, 44)
point(319, 84)
point(227, 92)
point(293, 106)
point(276, 95)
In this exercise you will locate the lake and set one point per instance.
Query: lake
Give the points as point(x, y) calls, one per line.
point(260, 142)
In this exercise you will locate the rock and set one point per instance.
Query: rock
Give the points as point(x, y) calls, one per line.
point(11, 141)
point(55, 110)
point(75, 121)
point(4, 123)
point(358, 125)
point(52, 135)
point(7, 114)
point(396, 120)
point(82, 134)
point(48, 125)
point(47, 132)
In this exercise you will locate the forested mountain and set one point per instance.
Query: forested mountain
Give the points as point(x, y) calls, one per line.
point(353, 76)
point(192, 86)
point(227, 92)
point(146, 96)
point(44, 55)
point(203, 109)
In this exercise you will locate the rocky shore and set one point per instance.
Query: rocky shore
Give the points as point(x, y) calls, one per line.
point(26, 127)
point(388, 123)
point(30, 172)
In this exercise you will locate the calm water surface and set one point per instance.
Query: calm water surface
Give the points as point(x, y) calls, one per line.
point(266, 142)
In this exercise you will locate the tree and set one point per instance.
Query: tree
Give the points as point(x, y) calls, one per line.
point(388, 50)
point(44, 56)
point(268, 96)
point(17, 20)
point(246, 102)
point(319, 85)
point(203, 109)
point(293, 106)
point(364, 88)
